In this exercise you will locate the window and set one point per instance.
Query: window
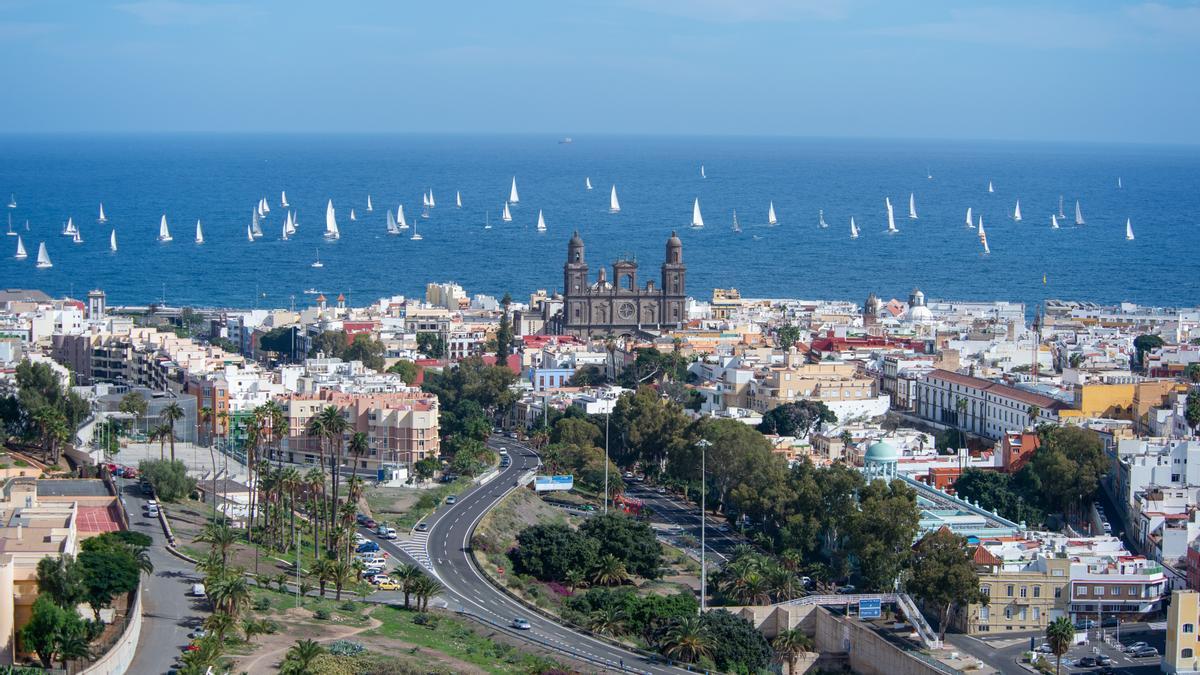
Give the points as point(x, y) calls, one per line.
point(1099, 590)
point(1010, 590)
point(1058, 592)
point(1037, 613)
point(1008, 612)
point(1021, 614)
point(985, 613)
point(986, 590)
point(1189, 628)
point(1037, 591)
point(1185, 653)
point(1024, 592)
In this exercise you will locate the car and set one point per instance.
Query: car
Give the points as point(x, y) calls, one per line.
point(370, 524)
point(1086, 662)
point(381, 579)
point(662, 490)
point(388, 586)
point(375, 564)
point(1135, 646)
point(1110, 622)
point(1085, 624)
point(360, 518)
point(521, 624)
point(588, 507)
point(848, 589)
point(152, 511)
point(451, 499)
point(147, 489)
point(382, 530)
point(192, 648)
point(723, 527)
point(151, 502)
point(1145, 652)
point(197, 634)
point(628, 475)
point(1107, 528)
point(367, 547)
point(197, 591)
point(422, 527)
point(1102, 660)
point(1044, 648)
point(391, 534)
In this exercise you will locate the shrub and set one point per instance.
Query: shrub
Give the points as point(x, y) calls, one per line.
point(321, 613)
point(346, 648)
point(425, 619)
point(169, 478)
point(348, 606)
point(262, 604)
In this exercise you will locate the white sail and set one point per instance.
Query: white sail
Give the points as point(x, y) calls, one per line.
point(76, 237)
point(771, 219)
point(295, 221)
point(697, 219)
point(258, 209)
point(331, 228)
point(431, 202)
point(969, 222)
point(912, 206)
point(990, 188)
point(369, 207)
point(164, 234)
point(1053, 222)
point(506, 217)
point(613, 205)
point(10, 230)
point(249, 233)
point(821, 218)
point(12, 202)
point(1017, 212)
point(255, 227)
point(1078, 214)
point(283, 199)
point(400, 221)
point(983, 237)
point(1061, 215)
point(21, 254)
point(112, 241)
point(352, 217)
point(457, 199)
point(102, 218)
point(541, 226)
point(317, 263)
point(69, 228)
point(702, 171)
point(736, 227)
point(1128, 230)
point(487, 220)
point(284, 228)
point(266, 206)
point(199, 232)
point(853, 229)
point(391, 224)
point(512, 193)
point(289, 223)
point(587, 182)
point(425, 199)
point(43, 259)
point(416, 236)
point(1119, 186)
point(891, 216)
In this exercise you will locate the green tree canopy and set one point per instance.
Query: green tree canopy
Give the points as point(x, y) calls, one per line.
point(796, 419)
point(432, 345)
point(107, 573)
point(646, 430)
point(169, 478)
point(882, 532)
point(996, 491)
point(943, 574)
point(1066, 469)
point(631, 541)
point(550, 551)
point(1146, 343)
point(366, 349)
point(575, 431)
point(737, 647)
point(407, 370)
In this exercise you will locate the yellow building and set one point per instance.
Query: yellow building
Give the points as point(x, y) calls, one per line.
point(1024, 594)
point(797, 380)
point(1182, 654)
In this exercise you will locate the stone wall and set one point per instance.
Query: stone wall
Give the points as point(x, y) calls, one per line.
point(118, 659)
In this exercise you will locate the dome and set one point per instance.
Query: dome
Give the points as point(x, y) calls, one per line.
point(881, 451)
point(920, 314)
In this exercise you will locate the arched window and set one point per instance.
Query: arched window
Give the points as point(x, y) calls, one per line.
point(627, 282)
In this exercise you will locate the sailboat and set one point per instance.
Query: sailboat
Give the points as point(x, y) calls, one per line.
point(112, 241)
point(249, 234)
point(613, 205)
point(990, 188)
point(487, 220)
point(43, 259)
point(1119, 186)
point(1128, 230)
point(21, 254)
point(331, 228)
point(12, 201)
point(821, 218)
point(102, 218)
point(295, 221)
point(736, 227)
point(853, 229)
point(283, 199)
point(457, 199)
point(1017, 212)
point(426, 203)
point(416, 236)
point(771, 219)
point(697, 219)
point(1053, 222)
point(970, 224)
point(401, 223)
point(369, 207)
point(702, 171)
point(512, 192)
point(506, 217)
point(587, 182)
point(289, 224)
point(983, 237)
point(352, 216)
point(1061, 215)
point(391, 224)
point(1078, 214)
point(928, 174)
point(265, 206)
point(431, 202)
point(10, 230)
point(69, 228)
point(285, 230)
point(912, 206)
point(541, 226)
point(77, 237)
point(164, 234)
point(199, 232)
point(317, 263)
point(891, 216)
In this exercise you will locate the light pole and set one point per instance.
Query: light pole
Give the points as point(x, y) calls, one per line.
point(606, 416)
point(703, 445)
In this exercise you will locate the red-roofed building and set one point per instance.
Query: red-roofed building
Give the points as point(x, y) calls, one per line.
point(982, 407)
point(513, 361)
point(401, 427)
point(1016, 448)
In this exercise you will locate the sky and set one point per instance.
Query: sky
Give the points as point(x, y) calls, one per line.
point(1087, 70)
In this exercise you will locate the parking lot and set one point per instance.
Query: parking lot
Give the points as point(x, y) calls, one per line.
point(1121, 662)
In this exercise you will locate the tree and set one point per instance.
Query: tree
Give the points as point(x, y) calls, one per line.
point(1066, 468)
point(406, 575)
point(1061, 635)
point(1192, 373)
point(281, 340)
point(1192, 412)
point(646, 430)
point(787, 335)
point(220, 537)
point(883, 531)
point(1145, 343)
point(943, 574)
point(330, 343)
point(49, 629)
point(504, 333)
point(588, 376)
point(432, 345)
point(576, 432)
point(549, 551)
point(789, 645)
point(366, 349)
point(425, 587)
point(52, 430)
point(230, 593)
point(407, 370)
point(299, 658)
point(996, 491)
point(609, 571)
point(796, 419)
point(631, 541)
point(687, 640)
point(133, 403)
point(425, 468)
point(168, 478)
point(172, 414)
point(736, 645)
point(61, 580)
point(107, 573)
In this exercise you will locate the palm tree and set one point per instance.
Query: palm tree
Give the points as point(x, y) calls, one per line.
point(359, 445)
point(1033, 412)
point(52, 428)
point(172, 414)
point(575, 579)
point(1060, 634)
point(230, 594)
point(687, 640)
point(789, 645)
point(220, 537)
point(322, 570)
point(161, 433)
point(300, 657)
point(334, 426)
point(220, 623)
point(610, 571)
point(607, 621)
point(254, 627)
point(73, 645)
point(314, 480)
point(424, 588)
point(342, 574)
point(405, 575)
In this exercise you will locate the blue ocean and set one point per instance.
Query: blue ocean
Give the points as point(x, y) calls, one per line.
point(219, 178)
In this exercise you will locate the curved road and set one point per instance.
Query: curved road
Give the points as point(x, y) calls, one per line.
point(450, 560)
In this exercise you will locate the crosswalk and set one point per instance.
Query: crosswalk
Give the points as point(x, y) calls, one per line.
point(417, 548)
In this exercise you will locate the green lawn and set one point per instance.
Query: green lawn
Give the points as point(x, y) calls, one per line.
point(456, 638)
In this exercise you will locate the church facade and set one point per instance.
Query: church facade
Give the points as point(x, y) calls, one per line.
point(620, 306)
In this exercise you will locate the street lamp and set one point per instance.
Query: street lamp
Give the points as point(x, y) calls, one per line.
point(704, 445)
point(606, 416)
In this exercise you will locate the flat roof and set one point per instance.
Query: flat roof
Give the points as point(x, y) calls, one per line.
point(87, 487)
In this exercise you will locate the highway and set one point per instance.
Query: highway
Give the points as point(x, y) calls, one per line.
point(449, 559)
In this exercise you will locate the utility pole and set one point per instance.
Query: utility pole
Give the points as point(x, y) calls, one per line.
point(606, 416)
point(703, 444)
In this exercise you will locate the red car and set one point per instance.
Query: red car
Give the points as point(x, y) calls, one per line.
point(193, 647)
point(370, 524)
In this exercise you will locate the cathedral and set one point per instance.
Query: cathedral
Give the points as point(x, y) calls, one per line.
point(619, 307)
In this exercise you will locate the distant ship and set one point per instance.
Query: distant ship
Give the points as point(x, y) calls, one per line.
point(566, 141)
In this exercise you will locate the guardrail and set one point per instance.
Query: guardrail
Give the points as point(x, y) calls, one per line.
point(620, 667)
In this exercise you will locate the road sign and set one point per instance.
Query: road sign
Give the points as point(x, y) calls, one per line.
point(869, 608)
point(549, 483)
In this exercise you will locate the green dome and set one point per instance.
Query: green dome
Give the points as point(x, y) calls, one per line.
point(881, 451)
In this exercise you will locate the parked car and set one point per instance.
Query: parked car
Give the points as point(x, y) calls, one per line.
point(152, 511)
point(368, 547)
point(1085, 624)
point(848, 589)
point(422, 527)
point(370, 524)
point(451, 499)
point(1135, 646)
point(381, 579)
point(1145, 652)
point(521, 624)
point(197, 591)
point(388, 586)
point(1102, 660)
point(360, 518)
point(197, 634)
point(1086, 662)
